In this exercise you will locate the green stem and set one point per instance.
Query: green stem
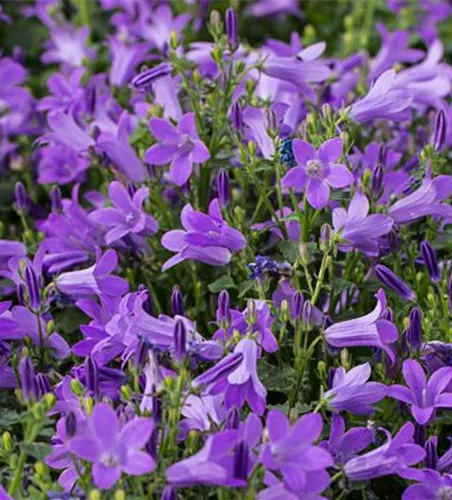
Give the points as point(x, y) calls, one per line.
point(18, 475)
point(319, 284)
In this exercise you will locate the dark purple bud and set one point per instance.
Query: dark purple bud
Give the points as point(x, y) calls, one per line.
point(71, 424)
point(414, 333)
point(180, 340)
point(237, 117)
point(394, 241)
point(430, 261)
point(404, 349)
point(32, 285)
point(388, 314)
point(28, 379)
point(42, 385)
point(232, 420)
point(327, 322)
point(224, 194)
point(232, 27)
point(382, 152)
point(272, 123)
point(169, 493)
point(91, 98)
point(55, 199)
point(224, 312)
point(377, 180)
point(439, 131)
point(21, 294)
point(219, 372)
point(392, 281)
point(21, 199)
point(145, 78)
point(297, 305)
point(306, 315)
point(141, 354)
point(177, 302)
point(241, 461)
point(431, 450)
point(91, 376)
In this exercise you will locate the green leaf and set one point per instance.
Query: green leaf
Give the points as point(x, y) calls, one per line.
point(37, 450)
point(289, 249)
point(224, 282)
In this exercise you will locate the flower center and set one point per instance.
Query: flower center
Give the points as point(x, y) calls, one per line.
point(444, 493)
point(315, 168)
point(186, 144)
point(131, 217)
point(109, 459)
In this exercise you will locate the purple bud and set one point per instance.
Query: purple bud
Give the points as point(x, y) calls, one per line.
point(297, 305)
point(414, 333)
point(71, 424)
point(431, 262)
point(241, 460)
point(32, 285)
point(169, 493)
point(232, 420)
point(55, 199)
point(431, 450)
point(224, 194)
point(394, 241)
point(325, 236)
point(272, 123)
point(42, 385)
point(377, 180)
point(28, 379)
point(306, 315)
point(232, 27)
point(180, 340)
point(392, 281)
point(91, 376)
point(91, 99)
point(439, 131)
point(145, 78)
point(141, 354)
point(382, 153)
point(404, 349)
point(330, 377)
point(21, 294)
point(21, 199)
point(151, 445)
point(237, 117)
point(224, 312)
point(177, 302)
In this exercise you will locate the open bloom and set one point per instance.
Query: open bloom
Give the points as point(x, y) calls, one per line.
point(127, 216)
point(179, 146)
point(317, 171)
point(113, 450)
point(369, 330)
point(394, 457)
point(207, 238)
point(358, 230)
point(352, 392)
point(424, 397)
point(94, 280)
point(433, 485)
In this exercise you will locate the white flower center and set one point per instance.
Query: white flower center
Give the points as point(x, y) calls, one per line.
point(315, 168)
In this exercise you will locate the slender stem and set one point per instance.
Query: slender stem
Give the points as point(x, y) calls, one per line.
point(18, 474)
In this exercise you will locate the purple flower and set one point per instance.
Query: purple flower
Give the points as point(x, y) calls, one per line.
point(202, 413)
point(207, 238)
point(179, 146)
point(144, 79)
point(428, 254)
point(10, 249)
point(342, 445)
point(67, 46)
point(127, 216)
point(352, 392)
point(424, 397)
point(394, 457)
point(60, 164)
point(290, 450)
point(214, 380)
point(67, 92)
point(113, 450)
point(317, 171)
point(382, 102)
point(125, 58)
point(243, 382)
point(432, 485)
point(358, 230)
point(370, 330)
point(392, 281)
point(265, 8)
point(95, 280)
point(255, 120)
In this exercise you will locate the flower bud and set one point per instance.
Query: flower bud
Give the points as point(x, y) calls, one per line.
point(232, 420)
point(430, 261)
point(414, 333)
point(392, 281)
point(169, 493)
point(71, 424)
point(21, 199)
point(55, 200)
point(251, 312)
point(297, 305)
point(216, 26)
point(224, 312)
point(232, 28)
point(33, 288)
point(224, 193)
point(91, 376)
point(325, 237)
point(439, 131)
point(76, 387)
point(306, 315)
point(431, 450)
point(28, 379)
point(177, 302)
point(42, 385)
point(377, 180)
point(241, 461)
point(145, 78)
point(237, 117)
point(180, 340)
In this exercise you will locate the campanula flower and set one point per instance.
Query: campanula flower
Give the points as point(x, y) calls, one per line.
point(179, 146)
point(317, 171)
point(432, 485)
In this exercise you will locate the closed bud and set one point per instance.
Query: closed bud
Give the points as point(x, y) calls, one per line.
point(297, 305)
point(120, 495)
point(326, 111)
point(55, 200)
point(431, 453)
point(21, 294)
point(33, 288)
point(439, 131)
point(237, 117)
point(216, 26)
point(89, 406)
point(169, 493)
point(322, 369)
point(42, 385)
point(330, 378)
point(414, 334)
point(49, 401)
point(252, 148)
point(71, 424)
point(251, 313)
point(50, 327)
point(224, 312)
point(305, 256)
point(141, 354)
point(284, 308)
point(126, 392)
point(40, 469)
point(377, 180)
point(224, 193)
point(241, 461)
point(7, 442)
point(174, 41)
point(28, 379)
point(345, 358)
point(177, 302)
point(21, 199)
point(94, 495)
point(180, 340)
point(430, 261)
point(76, 387)
point(325, 237)
point(232, 420)
point(232, 28)
point(306, 315)
point(144, 79)
point(271, 120)
point(392, 281)
point(91, 376)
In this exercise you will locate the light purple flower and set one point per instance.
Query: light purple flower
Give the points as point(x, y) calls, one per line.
point(113, 450)
point(67, 46)
point(265, 8)
point(352, 392)
point(60, 164)
point(394, 457)
point(357, 230)
point(9, 249)
point(67, 91)
point(423, 396)
point(370, 330)
point(383, 101)
point(126, 216)
point(207, 238)
point(179, 146)
point(317, 171)
point(432, 485)
point(95, 280)
point(125, 58)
